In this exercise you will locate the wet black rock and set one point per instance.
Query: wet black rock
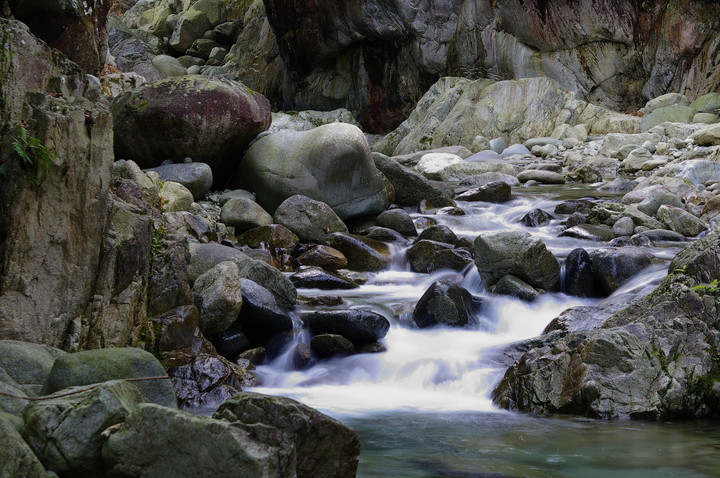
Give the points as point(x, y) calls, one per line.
point(579, 274)
point(535, 218)
point(331, 345)
point(446, 303)
point(359, 326)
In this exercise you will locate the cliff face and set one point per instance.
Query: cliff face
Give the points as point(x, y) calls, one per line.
point(380, 56)
point(54, 199)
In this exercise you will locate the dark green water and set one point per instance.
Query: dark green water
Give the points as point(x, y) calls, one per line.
point(474, 445)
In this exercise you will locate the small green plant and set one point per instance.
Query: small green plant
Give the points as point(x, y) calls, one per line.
point(156, 244)
point(33, 153)
point(711, 288)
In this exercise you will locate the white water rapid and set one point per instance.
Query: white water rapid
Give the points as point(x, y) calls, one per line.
point(439, 369)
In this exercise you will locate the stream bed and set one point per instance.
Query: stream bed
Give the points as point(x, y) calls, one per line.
point(423, 407)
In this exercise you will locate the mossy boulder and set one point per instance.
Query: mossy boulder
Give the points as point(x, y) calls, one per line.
point(96, 366)
point(210, 120)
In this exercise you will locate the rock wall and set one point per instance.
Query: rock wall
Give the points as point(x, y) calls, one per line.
point(51, 229)
point(657, 358)
point(378, 57)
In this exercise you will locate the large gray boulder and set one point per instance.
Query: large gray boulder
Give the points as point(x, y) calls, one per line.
point(307, 218)
point(158, 442)
point(516, 253)
point(330, 163)
point(218, 297)
point(65, 432)
point(612, 267)
point(204, 257)
point(95, 366)
point(197, 177)
point(410, 187)
point(17, 459)
point(649, 360)
point(325, 447)
point(244, 214)
point(210, 120)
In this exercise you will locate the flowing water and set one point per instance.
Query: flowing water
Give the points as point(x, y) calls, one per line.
point(423, 407)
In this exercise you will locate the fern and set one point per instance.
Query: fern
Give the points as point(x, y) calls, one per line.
point(33, 153)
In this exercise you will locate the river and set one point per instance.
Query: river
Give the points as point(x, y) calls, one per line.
point(423, 407)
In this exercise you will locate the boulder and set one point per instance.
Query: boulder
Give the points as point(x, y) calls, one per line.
point(218, 297)
point(707, 136)
point(421, 255)
point(579, 274)
point(410, 187)
point(398, 220)
point(681, 221)
point(439, 233)
point(623, 227)
point(362, 254)
point(272, 235)
point(65, 432)
point(190, 26)
point(209, 119)
point(707, 103)
point(433, 163)
point(26, 364)
point(323, 256)
point(204, 380)
point(244, 214)
point(636, 160)
point(308, 218)
point(361, 327)
point(543, 177)
point(676, 113)
point(496, 192)
point(516, 253)
point(17, 459)
point(204, 257)
point(168, 65)
point(590, 232)
point(446, 303)
point(196, 177)
point(101, 365)
point(656, 198)
point(330, 163)
point(154, 442)
point(510, 285)
point(331, 345)
point(175, 197)
point(453, 259)
point(535, 218)
point(614, 266)
point(261, 315)
point(310, 277)
point(647, 360)
point(230, 343)
point(325, 447)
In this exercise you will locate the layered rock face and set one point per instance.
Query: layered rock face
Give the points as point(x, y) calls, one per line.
point(54, 201)
point(657, 358)
point(378, 57)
